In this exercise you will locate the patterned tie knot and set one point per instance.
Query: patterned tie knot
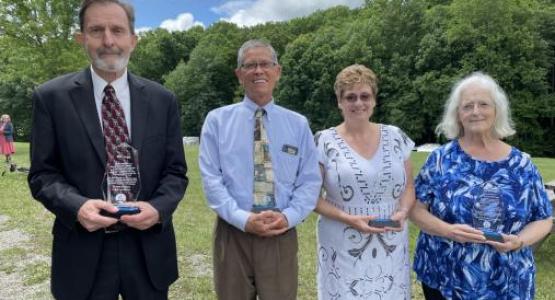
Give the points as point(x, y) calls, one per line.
point(259, 112)
point(110, 92)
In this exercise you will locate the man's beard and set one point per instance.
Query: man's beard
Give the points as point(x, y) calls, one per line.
point(119, 64)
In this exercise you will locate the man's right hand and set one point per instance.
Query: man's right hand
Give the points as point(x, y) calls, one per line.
point(266, 223)
point(89, 214)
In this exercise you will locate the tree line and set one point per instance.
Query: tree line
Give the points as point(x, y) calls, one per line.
point(418, 49)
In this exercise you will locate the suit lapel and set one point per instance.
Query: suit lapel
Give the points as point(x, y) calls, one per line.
point(82, 96)
point(139, 110)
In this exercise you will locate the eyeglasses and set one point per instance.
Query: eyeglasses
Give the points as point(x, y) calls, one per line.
point(264, 65)
point(352, 97)
point(481, 105)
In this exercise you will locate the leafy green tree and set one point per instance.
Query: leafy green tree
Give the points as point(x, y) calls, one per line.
point(36, 38)
point(393, 32)
point(277, 33)
point(418, 49)
point(36, 44)
point(383, 37)
point(546, 16)
point(310, 65)
point(207, 80)
point(499, 37)
point(335, 17)
point(158, 52)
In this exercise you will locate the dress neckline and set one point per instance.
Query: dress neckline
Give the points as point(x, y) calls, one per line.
point(497, 161)
point(351, 149)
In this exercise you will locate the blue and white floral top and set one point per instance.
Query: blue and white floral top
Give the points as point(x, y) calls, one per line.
point(448, 184)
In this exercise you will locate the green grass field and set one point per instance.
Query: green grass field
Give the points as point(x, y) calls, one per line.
point(194, 224)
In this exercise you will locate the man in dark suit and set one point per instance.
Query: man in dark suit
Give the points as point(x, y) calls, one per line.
point(69, 159)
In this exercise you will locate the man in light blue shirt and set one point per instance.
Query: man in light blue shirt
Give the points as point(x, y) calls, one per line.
point(255, 253)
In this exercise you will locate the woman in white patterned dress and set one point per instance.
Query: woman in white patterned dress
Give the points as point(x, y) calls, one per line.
point(367, 176)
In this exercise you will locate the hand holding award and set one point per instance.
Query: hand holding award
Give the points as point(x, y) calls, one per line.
point(488, 212)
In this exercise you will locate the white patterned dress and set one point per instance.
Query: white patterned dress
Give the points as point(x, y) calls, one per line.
point(353, 265)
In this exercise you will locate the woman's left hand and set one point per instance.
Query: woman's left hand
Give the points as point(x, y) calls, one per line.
point(401, 216)
point(510, 242)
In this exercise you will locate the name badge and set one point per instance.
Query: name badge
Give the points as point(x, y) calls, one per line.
point(292, 150)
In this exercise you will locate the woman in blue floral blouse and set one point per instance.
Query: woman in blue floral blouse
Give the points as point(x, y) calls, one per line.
point(477, 184)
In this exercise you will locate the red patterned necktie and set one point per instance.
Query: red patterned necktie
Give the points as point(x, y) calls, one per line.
point(113, 122)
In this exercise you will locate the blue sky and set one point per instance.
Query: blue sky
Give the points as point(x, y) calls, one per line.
point(183, 14)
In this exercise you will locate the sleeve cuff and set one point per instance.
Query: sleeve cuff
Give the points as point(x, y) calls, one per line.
point(292, 216)
point(239, 219)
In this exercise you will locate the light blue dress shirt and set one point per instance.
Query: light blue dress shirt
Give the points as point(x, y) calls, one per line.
point(227, 166)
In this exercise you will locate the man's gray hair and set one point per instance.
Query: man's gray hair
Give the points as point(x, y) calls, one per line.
point(254, 44)
point(127, 7)
point(450, 125)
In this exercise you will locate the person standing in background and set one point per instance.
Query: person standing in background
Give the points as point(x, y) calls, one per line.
point(6, 137)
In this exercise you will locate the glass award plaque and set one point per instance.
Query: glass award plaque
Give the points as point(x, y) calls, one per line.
point(121, 184)
point(488, 212)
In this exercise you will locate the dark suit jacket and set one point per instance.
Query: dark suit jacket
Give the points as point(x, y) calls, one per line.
point(67, 166)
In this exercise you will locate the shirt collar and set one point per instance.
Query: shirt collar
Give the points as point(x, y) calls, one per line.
point(99, 83)
point(251, 106)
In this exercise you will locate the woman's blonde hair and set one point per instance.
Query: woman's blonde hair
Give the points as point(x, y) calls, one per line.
point(353, 75)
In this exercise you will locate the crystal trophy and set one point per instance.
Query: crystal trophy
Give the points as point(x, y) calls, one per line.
point(488, 212)
point(121, 184)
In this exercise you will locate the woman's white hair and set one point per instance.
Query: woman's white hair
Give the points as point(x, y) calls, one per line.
point(450, 125)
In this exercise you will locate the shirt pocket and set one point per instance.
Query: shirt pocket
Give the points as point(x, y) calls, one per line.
point(286, 167)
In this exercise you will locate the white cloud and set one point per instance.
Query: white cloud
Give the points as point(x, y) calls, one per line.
point(252, 12)
point(183, 22)
point(231, 7)
point(142, 29)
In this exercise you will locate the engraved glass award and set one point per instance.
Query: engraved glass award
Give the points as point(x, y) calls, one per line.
point(488, 212)
point(121, 184)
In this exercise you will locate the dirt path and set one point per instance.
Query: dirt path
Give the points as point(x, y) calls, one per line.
point(17, 257)
point(16, 249)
